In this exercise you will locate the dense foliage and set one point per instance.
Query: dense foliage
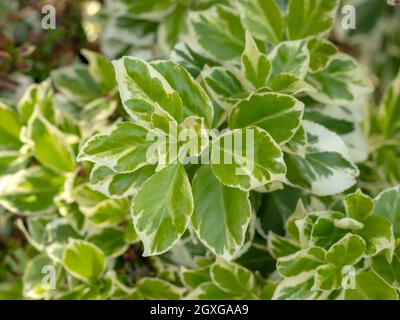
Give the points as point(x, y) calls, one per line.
point(90, 208)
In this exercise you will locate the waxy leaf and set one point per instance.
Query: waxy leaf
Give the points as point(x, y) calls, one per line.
point(278, 114)
point(263, 19)
point(220, 218)
point(247, 158)
point(310, 17)
point(123, 148)
point(219, 32)
point(84, 260)
point(162, 209)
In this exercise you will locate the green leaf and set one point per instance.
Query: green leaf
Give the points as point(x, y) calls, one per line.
point(123, 148)
point(150, 10)
point(35, 284)
point(321, 53)
point(347, 251)
point(378, 234)
point(390, 272)
point(220, 218)
point(10, 128)
point(50, 145)
point(327, 277)
point(110, 240)
point(224, 85)
point(278, 114)
point(194, 278)
point(118, 185)
point(325, 232)
point(232, 278)
point(219, 32)
point(101, 69)
point(290, 57)
point(142, 89)
point(387, 204)
point(76, 83)
point(358, 205)
point(288, 83)
point(255, 64)
point(195, 100)
point(162, 209)
point(297, 288)
point(30, 190)
point(247, 159)
point(280, 246)
point(263, 19)
point(326, 168)
point(301, 262)
point(157, 289)
point(310, 17)
point(342, 82)
point(171, 29)
point(369, 286)
point(389, 109)
point(84, 260)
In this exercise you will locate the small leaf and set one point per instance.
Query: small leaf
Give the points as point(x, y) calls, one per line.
point(321, 53)
point(327, 277)
point(255, 64)
point(290, 57)
point(358, 205)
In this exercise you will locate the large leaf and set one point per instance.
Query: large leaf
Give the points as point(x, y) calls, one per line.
point(247, 158)
point(123, 148)
point(263, 19)
point(143, 89)
point(310, 17)
point(195, 100)
point(326, 167)
point(219, 32)
point(221, 214)
point(162, 209)
point(278, 114)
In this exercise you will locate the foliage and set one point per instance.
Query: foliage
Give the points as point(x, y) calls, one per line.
point(85, 194)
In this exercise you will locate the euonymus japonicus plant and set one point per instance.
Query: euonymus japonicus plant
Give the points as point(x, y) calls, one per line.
point(266, 73)
point(113, 171)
